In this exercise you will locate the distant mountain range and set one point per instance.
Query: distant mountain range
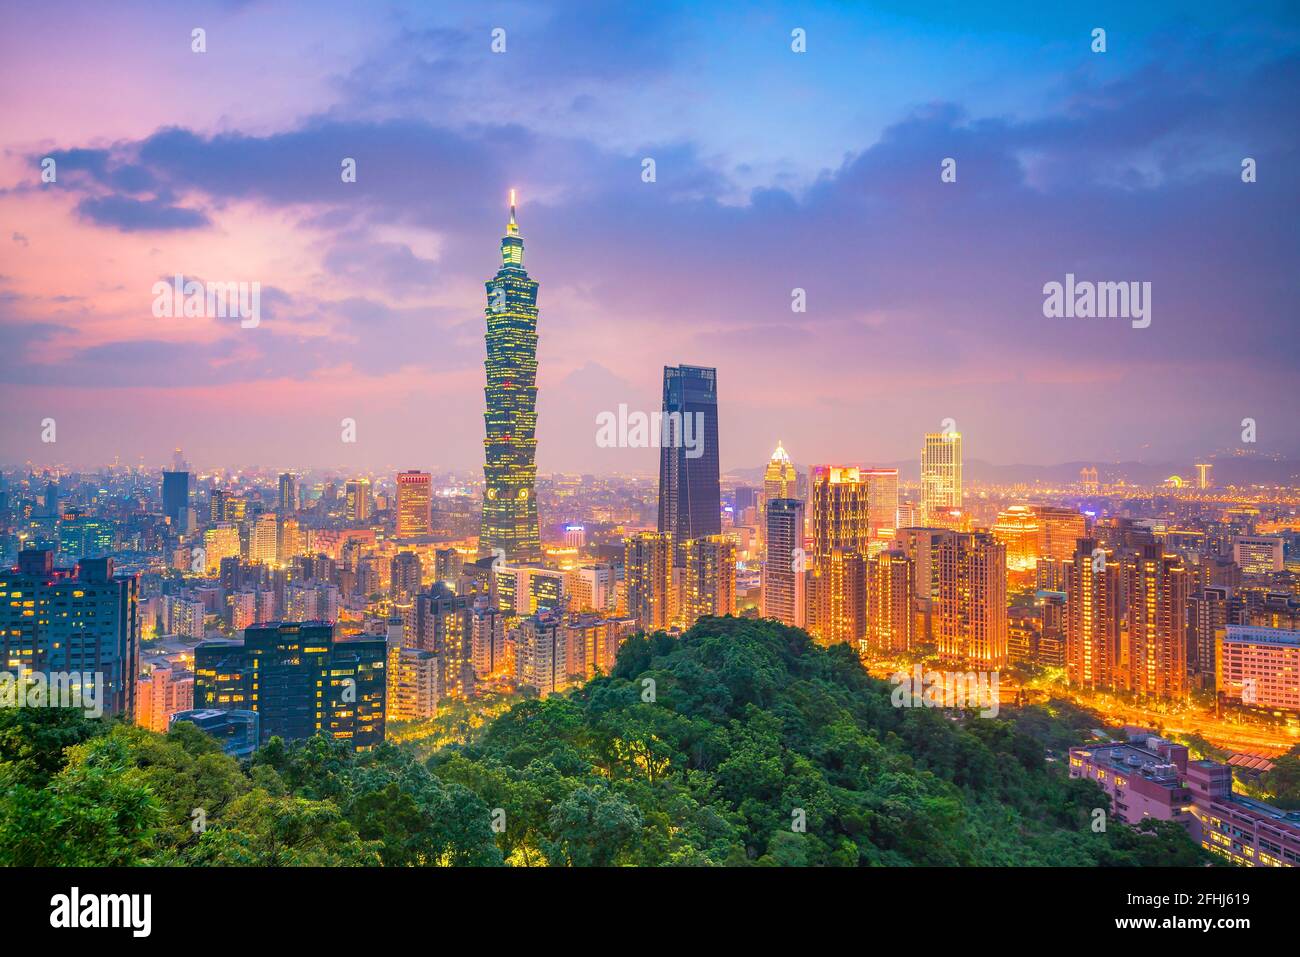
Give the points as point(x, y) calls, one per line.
point(1236, 470)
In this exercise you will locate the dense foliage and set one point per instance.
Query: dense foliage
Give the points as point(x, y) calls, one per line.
point(741, 743)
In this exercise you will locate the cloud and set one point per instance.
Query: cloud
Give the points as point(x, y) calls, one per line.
point(128, 215)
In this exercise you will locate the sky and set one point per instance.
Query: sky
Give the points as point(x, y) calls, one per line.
point(775, 170)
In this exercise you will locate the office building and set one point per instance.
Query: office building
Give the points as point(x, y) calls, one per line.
point(648, 572)
point(1258, 554)
point(160, 693)
point(78, 627)
point(783, 595)
point(1158, 587)
point(510, 523)
point(176, 498)
point(708, 583)
point(300, 680)
point(690, 496)
point(414, 504)
point(941, 474)
point(780, 480)
point(1259, 667)
point(891, 601)
point(288, 503)
point(1092, 626)
point(358, 502)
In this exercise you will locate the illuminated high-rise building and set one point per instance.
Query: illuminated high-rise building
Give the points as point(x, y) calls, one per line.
point(780, 480)
point(690, 496)
point(1158, 587)
point(708, 583)
point(1017, 529)
point(414, 503)
point(288, 494)
point(941, 482)
point(290, 539)
point(82, 625)
point(891, 598)
point(1259, 667)
point(510, 525)
point(218, 543)
point(970, 606)
point(1207, 615)
point(784, 567)
point(1092, 613)
point(648, 573)
point(591, 588)
point(882, 502)
point(841, 534)
point(841, 510)
point(358, 500)
point(836, 589)
point(217, 505)
point(1258, 554)
point(263, 543)
point(404, 576)
point(1059, 531)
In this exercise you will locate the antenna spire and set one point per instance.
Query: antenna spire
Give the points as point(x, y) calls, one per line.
point(512, 228)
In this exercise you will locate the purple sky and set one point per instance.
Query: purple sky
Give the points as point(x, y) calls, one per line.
point(775, 170)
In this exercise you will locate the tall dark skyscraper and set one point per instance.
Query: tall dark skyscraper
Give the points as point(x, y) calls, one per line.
point(288, 494)
point(690, 501)
point(175, 496)
point(510, 470)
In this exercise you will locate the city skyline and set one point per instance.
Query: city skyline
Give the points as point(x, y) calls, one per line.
point(1095, 163)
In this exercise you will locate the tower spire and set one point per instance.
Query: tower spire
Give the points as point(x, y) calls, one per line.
point(512, 228)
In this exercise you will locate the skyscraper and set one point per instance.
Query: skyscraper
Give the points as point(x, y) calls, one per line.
point(358, 500)
point(783, 569)
point(837, 598)
point(841, 533)
point(288, 494)
point(1157, 603)
point(970, 607)
point(176, 496)
point(690, 497)
point(882, 502)
point(941, 473)
point(648, 572)
point(780, 480)
point(841, 510)
point(709, 579)
point(1092, 606)
point(414, 501)
point(891, 597)
point(1059, 531)
point(510, 470)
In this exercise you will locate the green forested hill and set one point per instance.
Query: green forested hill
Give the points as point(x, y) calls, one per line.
point(742, 743)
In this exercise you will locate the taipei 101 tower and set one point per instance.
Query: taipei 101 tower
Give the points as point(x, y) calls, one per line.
point(510, 471)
